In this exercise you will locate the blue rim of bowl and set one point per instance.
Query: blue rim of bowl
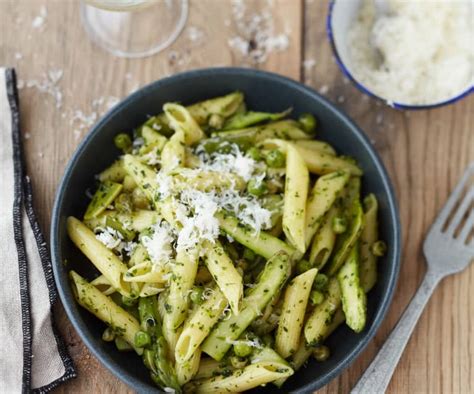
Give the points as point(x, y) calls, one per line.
point(385, 301)
point(368, 92)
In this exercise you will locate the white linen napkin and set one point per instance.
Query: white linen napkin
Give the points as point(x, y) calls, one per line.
point(33, 357)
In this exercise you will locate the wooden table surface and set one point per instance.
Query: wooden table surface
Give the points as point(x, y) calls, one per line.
point(425, 152)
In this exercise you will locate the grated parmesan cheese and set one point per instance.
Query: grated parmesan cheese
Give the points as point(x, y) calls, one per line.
point(159, 243)
point(417, 53)
point(110, 238)
point(196, 210)
point(196, 215)
point(113, 240)
point(234, 162)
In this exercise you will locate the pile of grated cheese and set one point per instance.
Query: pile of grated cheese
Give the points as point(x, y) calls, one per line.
point(195, 210)
point(420, 52)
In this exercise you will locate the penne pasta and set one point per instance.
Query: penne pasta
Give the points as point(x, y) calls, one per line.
point(251, 376)
point(104, 259)
point(292, 313)
point(324, 240)
point(185, 371)
point(145, 272)
point(174, 153)
point(103, 285)
point(323, 313)
point(182, 280)
point(318, 146)
point(354, 301)
point(92, 299)
point(200, 323)
point(181, 121)
point(209, 367)
point(224, 273)
point(321, 163)
point(143, 176)
point(294, 203)
point(274, 275)
point(368, 261)
point(344, 243)
point(322, 197)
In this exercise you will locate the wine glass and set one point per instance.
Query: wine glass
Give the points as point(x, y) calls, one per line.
point(134, 28)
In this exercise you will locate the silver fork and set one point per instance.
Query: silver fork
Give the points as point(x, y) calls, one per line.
point(447, 253)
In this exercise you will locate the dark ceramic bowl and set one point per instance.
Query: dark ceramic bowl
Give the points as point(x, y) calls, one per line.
point(264, 92)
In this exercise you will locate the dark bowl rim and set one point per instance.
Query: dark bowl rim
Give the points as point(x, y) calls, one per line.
point(367, 91)
point(385, 301)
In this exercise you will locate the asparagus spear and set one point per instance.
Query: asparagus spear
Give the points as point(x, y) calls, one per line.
point(155, 355)
point(354, 300)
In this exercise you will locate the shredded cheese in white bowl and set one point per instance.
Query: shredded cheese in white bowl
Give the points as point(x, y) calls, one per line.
point(416, 53)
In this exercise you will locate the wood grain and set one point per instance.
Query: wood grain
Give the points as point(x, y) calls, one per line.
point(425, 152)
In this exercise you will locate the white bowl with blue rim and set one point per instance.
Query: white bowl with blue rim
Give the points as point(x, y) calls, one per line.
point(341, 15)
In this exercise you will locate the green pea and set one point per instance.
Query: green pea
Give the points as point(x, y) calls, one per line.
point(249, 254)
point(123, 142)
point(316, 297)
point(108, 335)
point(275, 159)
point(339, 224)
point(379, 248)
point(303, 266)
point(320, 282)
point(196, 295)
point(307, 122)
point(142, 339)
point(242, 349)
point(256, 187)
point(254, 153)
point(238, 362)
point(321, 353)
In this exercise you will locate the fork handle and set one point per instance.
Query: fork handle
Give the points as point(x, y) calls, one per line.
point(377, 376)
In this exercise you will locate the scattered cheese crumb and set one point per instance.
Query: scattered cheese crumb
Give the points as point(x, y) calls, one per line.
point(38, 21)
point(194, 34)
point(309, 64)
point(256, 38)
point(49, 84)
point(324, 89)
point(83, 121)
